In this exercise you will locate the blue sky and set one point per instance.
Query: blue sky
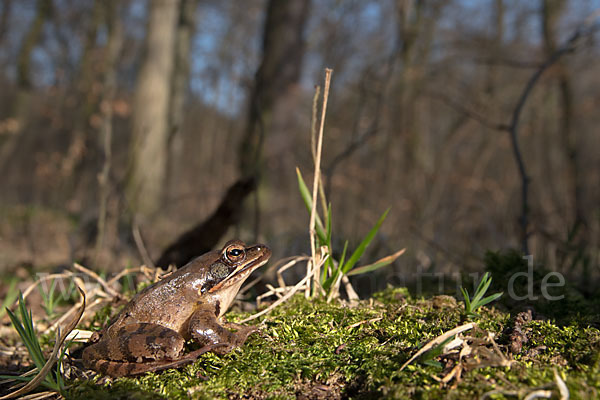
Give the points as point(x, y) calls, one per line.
point(224, 84)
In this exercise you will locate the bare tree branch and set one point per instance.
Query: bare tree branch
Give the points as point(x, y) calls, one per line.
point(569, 47)
point(585, 29)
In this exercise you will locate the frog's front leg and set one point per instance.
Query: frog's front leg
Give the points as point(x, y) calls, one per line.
point(206, 329)
point(133, 349)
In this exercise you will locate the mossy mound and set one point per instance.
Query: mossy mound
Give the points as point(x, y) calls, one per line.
point(311, 349)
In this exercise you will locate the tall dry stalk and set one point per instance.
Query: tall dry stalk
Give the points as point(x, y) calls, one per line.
point(315, 256)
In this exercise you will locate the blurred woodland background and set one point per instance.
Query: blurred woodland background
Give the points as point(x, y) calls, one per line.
point(133, 121)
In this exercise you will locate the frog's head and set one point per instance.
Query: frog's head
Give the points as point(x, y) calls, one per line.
point(235, 263)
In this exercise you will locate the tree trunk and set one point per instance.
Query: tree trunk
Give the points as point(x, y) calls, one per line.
point(4, 18)
point(551, 12)
point(83, 152)
point(112, 51)
point(577, 244)
point(180, 84)
point(21, 105)
point(283, 52)
point(149, 148)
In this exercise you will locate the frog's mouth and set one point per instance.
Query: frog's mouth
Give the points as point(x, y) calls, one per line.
point(241, 272)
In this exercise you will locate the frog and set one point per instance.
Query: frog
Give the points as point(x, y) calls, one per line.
point(150, 332)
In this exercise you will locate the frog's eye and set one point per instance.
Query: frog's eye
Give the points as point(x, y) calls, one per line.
point(234, 254)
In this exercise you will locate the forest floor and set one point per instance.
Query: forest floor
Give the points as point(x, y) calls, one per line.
point(312, 349)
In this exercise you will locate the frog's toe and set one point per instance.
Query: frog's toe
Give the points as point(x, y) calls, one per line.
point(224, 348)
point(249, 330)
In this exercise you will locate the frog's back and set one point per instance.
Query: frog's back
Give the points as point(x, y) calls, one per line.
point(169, 302)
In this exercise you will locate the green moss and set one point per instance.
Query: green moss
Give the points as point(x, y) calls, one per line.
point(315, 349)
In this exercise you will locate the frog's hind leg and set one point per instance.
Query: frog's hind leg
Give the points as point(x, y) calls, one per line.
point(143, 341)
point(133, 344)
point(118, 369)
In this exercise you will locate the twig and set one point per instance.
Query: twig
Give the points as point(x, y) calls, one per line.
point(512, 127)
point(97, 278)
point(444, 98)
point(139, 243)
point(123, 273)
point(71, 311)
point(283, 287)
point(289, 261)
point(294, 290)
point(568, 47)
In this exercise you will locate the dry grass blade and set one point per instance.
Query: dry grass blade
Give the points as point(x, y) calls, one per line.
point(438, 340)
point(562, 386)
point(89, 307)
point(97, 278)
point(505, 362)
point(139, 243)
point(60, 339)
point(283, 287)
point(79, 335)
point(352, 295)
point(288, 263)
point(39, 396)
point(43, 279)
point(539, 394)
point(121, 274)
point(315, 189)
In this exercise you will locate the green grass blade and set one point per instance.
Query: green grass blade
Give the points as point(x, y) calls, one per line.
point(24, 316)
point(482, 282)
point(343, 258)
point(368, 268)
point(482, 288)
point(377, 264)
point(307, 198)
point(467, 301)
point(328, 266)
point(329, 281)
point(24, 327)
point(17, 378)
point(336, 271)
point(60, 382)
point(357, 254)
point(17, 324)
point(490, 298)
point(11, 296)
point(27, 340)
point(304, 192)
point(328, 225)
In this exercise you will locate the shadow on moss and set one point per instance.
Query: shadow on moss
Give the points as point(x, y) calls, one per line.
point(533, 286)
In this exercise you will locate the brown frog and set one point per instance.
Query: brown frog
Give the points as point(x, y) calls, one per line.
point(150, 332)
